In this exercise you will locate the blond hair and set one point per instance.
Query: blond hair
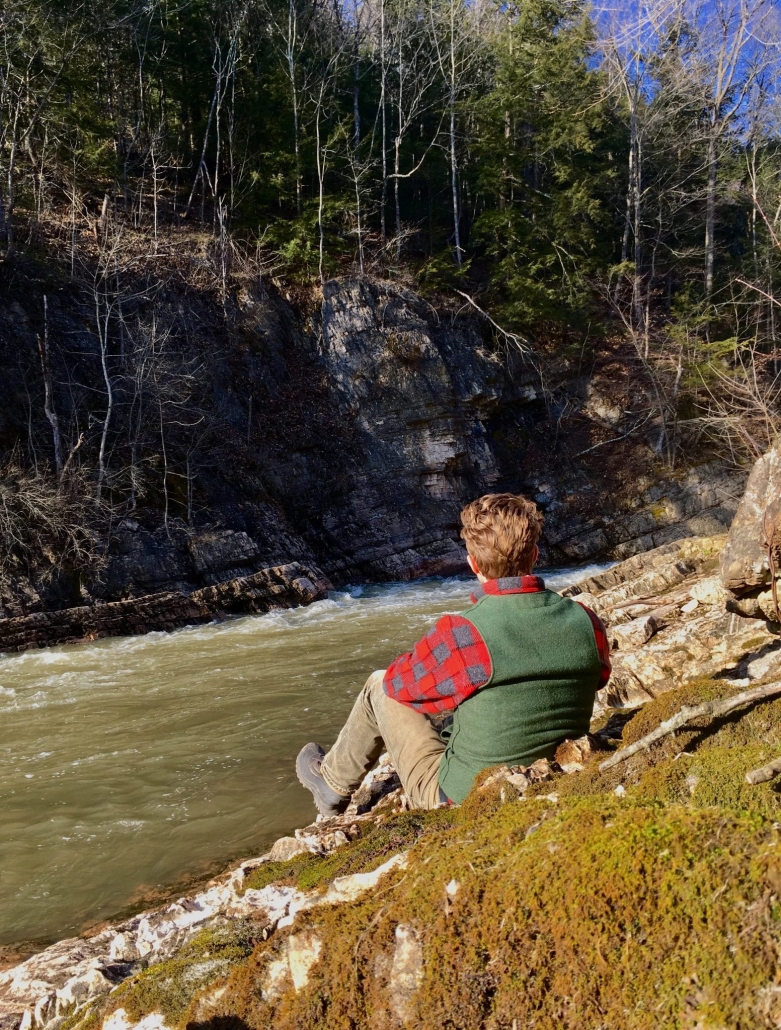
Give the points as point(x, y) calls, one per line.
point(501, 533)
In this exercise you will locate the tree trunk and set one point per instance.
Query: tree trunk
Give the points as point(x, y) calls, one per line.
point(48, 404)
point(638, 234)
point(320, 177)
point(384, 198)
point(396, 161)
point(710, 214)
point(292, 29)
point(102, 324)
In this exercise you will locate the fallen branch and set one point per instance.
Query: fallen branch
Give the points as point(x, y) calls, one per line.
point(72, 454)
point(765, 773)
point(708, 709)
point(650, 601)
point(519, 341)
point(614, 439)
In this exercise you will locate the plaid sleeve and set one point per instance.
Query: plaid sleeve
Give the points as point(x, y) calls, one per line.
point(603, 645)
point(444, 668)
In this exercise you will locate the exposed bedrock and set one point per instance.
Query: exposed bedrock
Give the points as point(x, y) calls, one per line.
point(751, 560)
point(285, 586)
point(669, 623)
point(349, 439)
point(435, 417)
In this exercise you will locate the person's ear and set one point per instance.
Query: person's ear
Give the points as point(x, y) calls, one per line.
point(472, 564)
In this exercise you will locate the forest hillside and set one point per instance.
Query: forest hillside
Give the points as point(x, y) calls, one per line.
point(543, 237)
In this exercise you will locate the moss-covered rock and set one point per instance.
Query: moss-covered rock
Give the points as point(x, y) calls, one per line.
point(601, 912)
point(714, 777)
point(170, 987)
point(655, 909)
point(375, 842)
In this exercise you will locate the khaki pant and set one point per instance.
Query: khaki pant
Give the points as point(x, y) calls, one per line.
point(379, 723)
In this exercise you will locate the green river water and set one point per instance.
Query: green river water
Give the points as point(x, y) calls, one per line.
point(128, 764)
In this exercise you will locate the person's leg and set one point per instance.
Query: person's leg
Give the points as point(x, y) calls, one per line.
point(378, 723)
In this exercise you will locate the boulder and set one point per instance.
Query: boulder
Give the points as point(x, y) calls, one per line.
point(709, 591)
point(759, 604)
point(286, 848)
point(634, 633)
point(572, 755)
point(744, 561)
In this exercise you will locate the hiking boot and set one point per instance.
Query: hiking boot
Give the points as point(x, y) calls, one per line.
point(329, 802)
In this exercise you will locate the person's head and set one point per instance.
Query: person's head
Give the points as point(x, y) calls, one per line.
point(501, 533)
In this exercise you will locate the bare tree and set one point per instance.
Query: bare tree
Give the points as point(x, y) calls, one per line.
point(411, 90)
point(31, 67)
point(457, 52)
point(735, 58)
point(224, 63)
point(293, 33)
point(49, 409)
point(334, 45)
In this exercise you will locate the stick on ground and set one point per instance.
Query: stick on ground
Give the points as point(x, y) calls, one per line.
point(709, 709)
point(765, 773)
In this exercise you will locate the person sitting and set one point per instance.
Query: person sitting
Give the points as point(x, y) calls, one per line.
point(519, 670)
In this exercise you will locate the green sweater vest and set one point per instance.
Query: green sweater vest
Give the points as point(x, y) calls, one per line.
point(545, 672)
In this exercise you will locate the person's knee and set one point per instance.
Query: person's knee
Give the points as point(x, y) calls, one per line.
point(374, 682)
point(372, 692)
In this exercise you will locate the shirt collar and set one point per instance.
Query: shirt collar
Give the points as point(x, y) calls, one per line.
point(508, 585)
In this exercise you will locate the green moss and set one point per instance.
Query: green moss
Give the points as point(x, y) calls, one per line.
point(88, 1018)
point(376, 843)
point(754, 644)
point(656, 910)
point(699, 547)
point(758, 727)
point(170, 987)
point(759, 724)
point(601, 912)
point(714, 777)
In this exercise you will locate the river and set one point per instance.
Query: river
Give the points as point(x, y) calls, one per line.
point(128, 764)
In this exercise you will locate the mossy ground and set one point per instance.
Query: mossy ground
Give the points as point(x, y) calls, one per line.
point(656, 909)
point(376, 843)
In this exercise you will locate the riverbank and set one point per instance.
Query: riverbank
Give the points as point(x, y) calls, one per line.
point(286, 586)
point(364, 916)
point(145, 759)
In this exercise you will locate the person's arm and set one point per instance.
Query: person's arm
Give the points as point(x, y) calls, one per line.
point(603, 645)
point(443, 669)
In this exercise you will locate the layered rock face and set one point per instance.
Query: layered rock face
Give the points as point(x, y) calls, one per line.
point(668, 621)
point(286, 586)
point(417, 396)
point(349, 438)
point(434, 416)
point(698, 607)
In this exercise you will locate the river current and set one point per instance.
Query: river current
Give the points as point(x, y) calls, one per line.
point(129, 764)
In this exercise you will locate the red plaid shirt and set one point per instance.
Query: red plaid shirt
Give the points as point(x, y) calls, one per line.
point(452, 661)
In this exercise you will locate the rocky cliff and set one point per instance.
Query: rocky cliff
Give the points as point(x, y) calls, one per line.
point(346, 434)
